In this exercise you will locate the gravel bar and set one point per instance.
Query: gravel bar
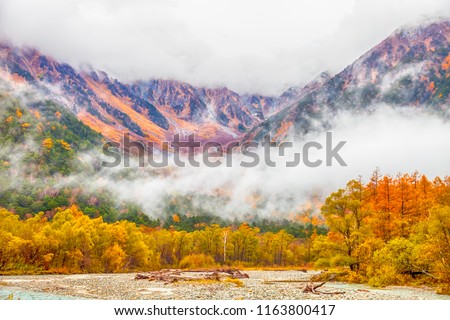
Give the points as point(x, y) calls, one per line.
point(258, 286)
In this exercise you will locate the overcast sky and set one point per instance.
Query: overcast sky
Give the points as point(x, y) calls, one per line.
point(249, 46)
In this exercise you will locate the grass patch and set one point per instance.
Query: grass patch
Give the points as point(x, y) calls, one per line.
point(331, 275)
point(236, 282)
point(443, 289)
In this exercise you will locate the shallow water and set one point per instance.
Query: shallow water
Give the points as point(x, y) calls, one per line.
point(404, 292)
point(20, 294)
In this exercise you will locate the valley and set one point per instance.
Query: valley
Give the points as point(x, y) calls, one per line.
point(66, 218)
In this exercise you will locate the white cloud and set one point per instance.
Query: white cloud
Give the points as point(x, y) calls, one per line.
point(250, 46)
point(395, 140)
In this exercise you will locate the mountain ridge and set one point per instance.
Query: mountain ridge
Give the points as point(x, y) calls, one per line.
point(151, 110)
point(410, 67)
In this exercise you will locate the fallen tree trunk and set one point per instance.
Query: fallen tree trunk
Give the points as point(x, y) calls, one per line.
point(286, 281)
point(415, 273)
point(311, 288)
point(173, 275)
point(234, 273)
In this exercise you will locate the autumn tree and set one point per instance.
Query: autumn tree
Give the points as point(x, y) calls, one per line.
point(433, 235)
point(244, 243)
point(345, 215)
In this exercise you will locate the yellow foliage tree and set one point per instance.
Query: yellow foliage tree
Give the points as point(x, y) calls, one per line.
point(47, 143)
point(65, 145)
point(114, 258)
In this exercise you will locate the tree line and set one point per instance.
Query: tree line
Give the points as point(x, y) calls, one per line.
point(389, 230)
point(72, 242)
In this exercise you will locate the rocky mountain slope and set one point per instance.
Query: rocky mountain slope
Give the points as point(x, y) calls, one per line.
point(409, 68)
point(151, 110)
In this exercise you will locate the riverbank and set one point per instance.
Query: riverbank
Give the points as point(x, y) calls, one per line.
point(260, 285)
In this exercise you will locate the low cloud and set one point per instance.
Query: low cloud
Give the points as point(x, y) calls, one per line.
point(248, 46)
point(395, 140)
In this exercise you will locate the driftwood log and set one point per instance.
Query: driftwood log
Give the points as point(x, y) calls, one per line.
point(312, 288)
point(231, 272)
point(312, 284)
point(266, 281)
point(174, 275)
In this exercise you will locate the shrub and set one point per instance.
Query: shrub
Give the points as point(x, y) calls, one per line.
point(443, 289)
point(322, 263)
point(340, 260)
point(384, 276)
point(354, 277)
point(197, 261)
point(237, 282)
point(391, 263)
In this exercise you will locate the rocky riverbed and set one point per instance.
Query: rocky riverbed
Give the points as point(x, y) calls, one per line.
point(265, 285)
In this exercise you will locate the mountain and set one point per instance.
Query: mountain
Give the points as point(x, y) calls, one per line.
point(409, 68)
point(151, 110)
point(198, 105)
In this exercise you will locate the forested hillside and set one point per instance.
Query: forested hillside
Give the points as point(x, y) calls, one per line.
point(62, 212)
point(41, 143)
point(387, 231)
